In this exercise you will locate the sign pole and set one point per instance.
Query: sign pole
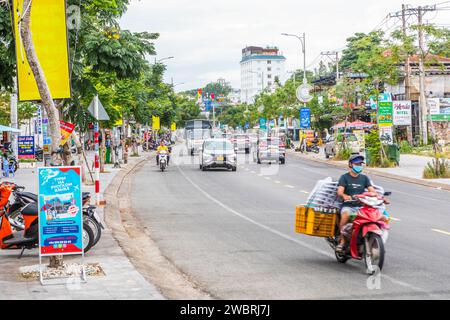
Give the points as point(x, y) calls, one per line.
point(97, 153)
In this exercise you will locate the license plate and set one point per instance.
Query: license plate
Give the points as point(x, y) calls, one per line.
point(220, 158)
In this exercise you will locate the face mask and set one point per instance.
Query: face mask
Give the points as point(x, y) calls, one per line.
point(357, 169)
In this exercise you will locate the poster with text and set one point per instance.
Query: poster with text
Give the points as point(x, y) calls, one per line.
point(60, 211)
point(25, 147)
point(402, 113)
point(305, 118)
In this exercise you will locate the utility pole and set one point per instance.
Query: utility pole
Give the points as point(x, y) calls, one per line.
point(407, 73)
point(335, 59)
point(423, 107)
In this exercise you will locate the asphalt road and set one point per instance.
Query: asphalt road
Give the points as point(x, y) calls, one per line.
point(233, 233)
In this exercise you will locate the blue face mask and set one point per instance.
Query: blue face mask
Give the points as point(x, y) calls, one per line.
point(357, 169)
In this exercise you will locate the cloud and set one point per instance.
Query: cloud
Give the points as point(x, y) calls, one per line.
point(207, 36)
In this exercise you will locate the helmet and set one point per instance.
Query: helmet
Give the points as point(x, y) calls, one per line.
point(356, 158)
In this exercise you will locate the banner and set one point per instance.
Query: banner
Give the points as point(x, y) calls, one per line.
point(26, 147)
point(48, 26)
point(60, 211)
point(66, 131)
point(156, 123)
point(262, 124)
point(402, 113)
point(305, 118)
point(386, 135)
point(173, 127)
point(385, 114)
point(361, 136)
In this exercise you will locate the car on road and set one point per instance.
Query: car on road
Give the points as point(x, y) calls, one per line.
point(241, 141)
point(271, 149)
point(217, 153)
point(195, 140)
point(335, 142)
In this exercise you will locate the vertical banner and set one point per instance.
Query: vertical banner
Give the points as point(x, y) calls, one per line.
point(49, 29)
point(305, 118)
point(47, 139)
point(39, 120)
point(60, 211)
point(385, 114)
point(262, 123)
point(66, 131)
point(361, 136)
point(402, 113)
point(173, 127)
point(156, 125)
point(26, 147)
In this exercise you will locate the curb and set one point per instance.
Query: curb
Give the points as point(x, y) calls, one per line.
point(429, 184)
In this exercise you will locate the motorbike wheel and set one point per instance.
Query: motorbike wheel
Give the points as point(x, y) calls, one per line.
point(373, 252)
point(341, 258)
point(96, 229)
point(88, 237)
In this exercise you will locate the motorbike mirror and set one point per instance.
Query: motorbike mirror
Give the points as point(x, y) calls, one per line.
point(387, 194)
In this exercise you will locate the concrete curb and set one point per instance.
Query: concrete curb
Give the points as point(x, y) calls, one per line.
point(138, 245)
point(429, 184)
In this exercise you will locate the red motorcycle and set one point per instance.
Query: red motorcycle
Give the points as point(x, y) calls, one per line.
point(367, 235)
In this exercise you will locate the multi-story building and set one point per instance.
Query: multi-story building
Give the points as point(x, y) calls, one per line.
point(261, 69)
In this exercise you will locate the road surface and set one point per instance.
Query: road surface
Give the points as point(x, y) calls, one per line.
point(233, 233)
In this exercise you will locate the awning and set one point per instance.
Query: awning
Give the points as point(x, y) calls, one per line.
point(8, 129)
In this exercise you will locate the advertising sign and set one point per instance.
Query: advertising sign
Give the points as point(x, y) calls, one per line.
point(434, 105)
point(402, 113)
point(25, 147)
point(60, 211)
point(173, 126)
point(439, 109)
point(305, 118)
point(156, 123)
point(385, 114)
point(262, 123)
point(49, 31)
point(361, 136)
point(39, 120)
point(47, 139)
point(66, 131)
point(386, 135)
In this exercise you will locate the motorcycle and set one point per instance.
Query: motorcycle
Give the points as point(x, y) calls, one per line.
point(367, 235)
point(19, 220)
point(163, 160)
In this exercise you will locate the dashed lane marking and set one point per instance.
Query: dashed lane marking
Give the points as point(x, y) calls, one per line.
point(441, 231)
point(289, 186)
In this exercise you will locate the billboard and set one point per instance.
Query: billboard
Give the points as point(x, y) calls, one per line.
point(49, 30)
point(385, 114)
point(402, 113)
point(60, 211)
point(25, 147)
point(305, 118)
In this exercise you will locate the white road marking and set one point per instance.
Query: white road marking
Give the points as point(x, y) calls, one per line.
point(284, 236)
point(441, 231)
point(303, 191)
point(277, 182)
point(253, 171)
point(267, 178)
point(395, 219)
point(289, 186)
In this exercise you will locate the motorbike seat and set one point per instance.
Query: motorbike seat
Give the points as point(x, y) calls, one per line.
point(28, 195)
point(30, 209)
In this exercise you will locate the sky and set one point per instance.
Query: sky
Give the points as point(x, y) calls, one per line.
point(206, 37)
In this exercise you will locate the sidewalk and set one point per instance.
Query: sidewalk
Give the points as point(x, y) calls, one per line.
point(410, 169)
point(120, 280)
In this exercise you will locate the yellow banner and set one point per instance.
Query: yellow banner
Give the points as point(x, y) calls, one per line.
point(156, 123)
point(173, 127)
point(49, 30)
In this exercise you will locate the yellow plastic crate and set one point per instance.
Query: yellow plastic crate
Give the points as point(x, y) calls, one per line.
point(314, 223)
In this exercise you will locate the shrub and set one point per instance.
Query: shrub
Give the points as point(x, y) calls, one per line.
point(405, 147)
point(437, 168)
point(343, 153)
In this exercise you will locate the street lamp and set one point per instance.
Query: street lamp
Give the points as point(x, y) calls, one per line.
point(167, 58)
point(303, 42)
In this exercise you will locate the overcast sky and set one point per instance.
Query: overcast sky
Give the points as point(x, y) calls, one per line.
point(206, 36)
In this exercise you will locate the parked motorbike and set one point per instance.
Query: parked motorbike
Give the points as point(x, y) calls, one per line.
point(367, 235)
point(19, 228)
point(163, 160)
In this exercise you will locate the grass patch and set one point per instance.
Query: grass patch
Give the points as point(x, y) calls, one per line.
point(437, 169)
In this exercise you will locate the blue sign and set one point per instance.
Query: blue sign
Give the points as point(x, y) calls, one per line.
point(247, 125)
point(305, 118)
point(60, 211)
point(25, 147)
point(262, 123)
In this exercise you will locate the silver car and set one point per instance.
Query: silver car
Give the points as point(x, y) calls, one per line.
point(218, 153)
point(334, 143)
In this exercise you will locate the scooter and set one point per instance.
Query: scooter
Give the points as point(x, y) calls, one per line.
point(19, 221)
point(367, 235)
point(163, 160)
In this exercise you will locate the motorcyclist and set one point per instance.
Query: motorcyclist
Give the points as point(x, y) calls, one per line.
point(162, 147)
point(351, 184)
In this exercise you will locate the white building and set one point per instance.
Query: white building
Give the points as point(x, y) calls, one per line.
point(261, 69)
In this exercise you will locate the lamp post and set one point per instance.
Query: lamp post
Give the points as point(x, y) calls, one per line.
point(160, 60)
point(302, 40)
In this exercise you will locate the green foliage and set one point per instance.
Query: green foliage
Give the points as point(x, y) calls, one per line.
point(373, 147)
point(343, 153)
point(26, 111)
point(405, 147)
